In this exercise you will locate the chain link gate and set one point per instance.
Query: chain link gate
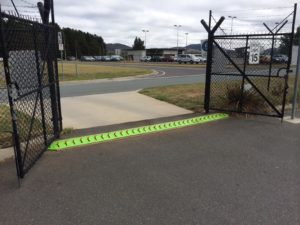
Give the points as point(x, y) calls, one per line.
point(30, 95)
point(239, 78)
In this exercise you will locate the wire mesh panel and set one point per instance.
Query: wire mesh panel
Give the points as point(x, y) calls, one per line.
point(249, 74)
point(29, 88)
point(5, 118)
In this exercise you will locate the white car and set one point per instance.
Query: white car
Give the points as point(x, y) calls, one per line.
point(188, 58)
point(145, 59)
point(116, 58)
point(202, 59)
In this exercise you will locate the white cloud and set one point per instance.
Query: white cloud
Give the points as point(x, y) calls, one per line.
point(120, 21)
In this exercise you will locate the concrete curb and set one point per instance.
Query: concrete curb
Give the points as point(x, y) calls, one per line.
point(6, 153)
point(154, 72)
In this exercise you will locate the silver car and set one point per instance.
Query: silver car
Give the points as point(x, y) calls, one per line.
point(188, 58)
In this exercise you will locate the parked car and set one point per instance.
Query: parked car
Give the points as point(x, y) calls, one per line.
point(188, 58)
point(71, 58)
point(87, 58)
point(98, 58)
point(156, 58)
point(167, 58)
point(145, 59)
point(202, 59)
point(105, 58)
point(116, 58)
point(280, 59)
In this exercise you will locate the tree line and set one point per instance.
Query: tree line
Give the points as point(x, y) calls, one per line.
point(82, 43)
point(285, 41)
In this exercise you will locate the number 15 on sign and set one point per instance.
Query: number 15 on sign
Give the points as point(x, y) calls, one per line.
point(254, 54)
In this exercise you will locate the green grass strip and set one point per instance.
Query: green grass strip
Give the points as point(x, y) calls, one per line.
point(109, 136)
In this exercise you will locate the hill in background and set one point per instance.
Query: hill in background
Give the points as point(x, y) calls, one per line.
point(112, 47)
point(194, 46)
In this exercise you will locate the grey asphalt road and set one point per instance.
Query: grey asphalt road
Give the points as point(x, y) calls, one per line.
point(236, 171)
point(170, 70)
point(167, 75)
point(80, 89)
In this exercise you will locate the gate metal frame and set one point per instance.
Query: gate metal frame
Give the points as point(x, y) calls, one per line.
point(46, 110)
point(212, 43)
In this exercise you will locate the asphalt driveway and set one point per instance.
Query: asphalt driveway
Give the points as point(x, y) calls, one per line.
point(230, 172)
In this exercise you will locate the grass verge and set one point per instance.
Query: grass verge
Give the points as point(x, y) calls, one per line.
point(191, 96)
point(93, 71)
point(188, 96)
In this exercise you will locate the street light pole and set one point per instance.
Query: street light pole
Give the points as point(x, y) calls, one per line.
point(232, 18)
point(275, 39)
point(186, 42)
point(177, 28)
point(145, 32)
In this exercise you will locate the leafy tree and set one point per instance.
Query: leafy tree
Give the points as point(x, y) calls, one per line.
point(285, 41)
point(138, 44)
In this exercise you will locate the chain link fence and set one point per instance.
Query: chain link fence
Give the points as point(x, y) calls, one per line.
point(249, 74)
point(30, 77)
point(5, 118)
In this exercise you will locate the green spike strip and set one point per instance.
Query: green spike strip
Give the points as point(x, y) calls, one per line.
point(109, 136)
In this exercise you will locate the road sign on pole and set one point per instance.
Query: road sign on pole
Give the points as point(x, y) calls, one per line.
point(204, 47)
point(59, 37)
point(254, 53)
point(60, 47)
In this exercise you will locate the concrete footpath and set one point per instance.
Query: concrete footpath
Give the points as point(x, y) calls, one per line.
point(114, 108)
point(230, 172)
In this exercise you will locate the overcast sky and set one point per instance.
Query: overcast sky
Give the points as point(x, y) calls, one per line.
point(119, 21)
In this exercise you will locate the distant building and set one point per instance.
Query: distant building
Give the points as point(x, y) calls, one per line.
point(164, 51)
point(118, 51)
point(135, 55)
point(193, 51)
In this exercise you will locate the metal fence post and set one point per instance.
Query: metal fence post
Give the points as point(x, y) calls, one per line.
point(209, 57)
point(58, 116)
point(208, 72)
point(296, 89)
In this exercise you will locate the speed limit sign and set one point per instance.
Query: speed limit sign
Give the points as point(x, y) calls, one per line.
point(254, 53)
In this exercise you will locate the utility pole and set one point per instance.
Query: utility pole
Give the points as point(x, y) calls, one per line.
point(177, 28)
point(76, 66)
point(186, 42)
point(232, 18)
point(145, 32)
